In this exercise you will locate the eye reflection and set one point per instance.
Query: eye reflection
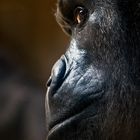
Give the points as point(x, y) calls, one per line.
point(80, 14)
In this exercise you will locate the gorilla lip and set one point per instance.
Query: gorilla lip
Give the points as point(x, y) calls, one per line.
point(57, 127)
point(62, 125)
point(80, 115)
point(75, 119)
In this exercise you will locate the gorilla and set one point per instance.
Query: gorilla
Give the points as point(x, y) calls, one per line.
point(94, 88)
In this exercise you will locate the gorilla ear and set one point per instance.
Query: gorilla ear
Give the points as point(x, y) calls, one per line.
point(64, 24)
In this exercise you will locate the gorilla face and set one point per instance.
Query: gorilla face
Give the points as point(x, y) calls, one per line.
point(93, 88)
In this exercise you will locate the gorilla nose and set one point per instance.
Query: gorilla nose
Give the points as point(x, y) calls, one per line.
point(57, 75)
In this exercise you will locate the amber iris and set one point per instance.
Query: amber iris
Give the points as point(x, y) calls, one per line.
point(80, 14)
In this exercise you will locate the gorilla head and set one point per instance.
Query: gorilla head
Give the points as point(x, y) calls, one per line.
point(94, 88)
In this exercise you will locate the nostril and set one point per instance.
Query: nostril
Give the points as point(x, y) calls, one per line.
point(59, 69)
point(49, 81)
point(58, 74)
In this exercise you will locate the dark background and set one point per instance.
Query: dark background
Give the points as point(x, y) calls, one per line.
point(29, 30)
point(30, 43)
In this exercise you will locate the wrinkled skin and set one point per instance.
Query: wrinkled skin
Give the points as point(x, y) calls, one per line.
point(94, 88)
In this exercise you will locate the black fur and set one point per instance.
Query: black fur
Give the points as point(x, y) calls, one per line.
point(94, 88)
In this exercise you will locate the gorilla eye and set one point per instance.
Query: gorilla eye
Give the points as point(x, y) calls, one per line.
point(80, 15)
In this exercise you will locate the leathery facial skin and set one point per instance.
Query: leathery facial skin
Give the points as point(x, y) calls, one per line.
point(94, 88)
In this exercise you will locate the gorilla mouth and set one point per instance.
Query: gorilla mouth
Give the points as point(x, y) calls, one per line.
point(56, 129)
point(62, 125)
point(72, 121)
